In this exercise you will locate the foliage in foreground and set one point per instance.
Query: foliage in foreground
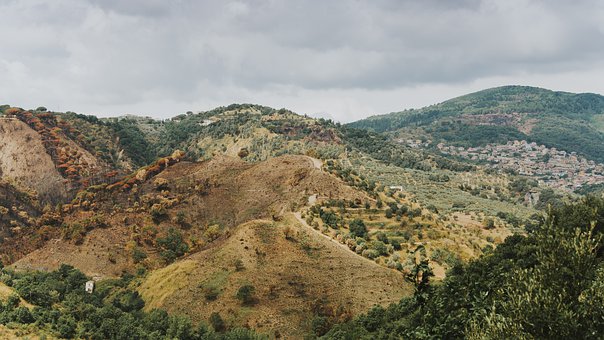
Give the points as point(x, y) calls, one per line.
point(546, 285)
point(62, 308)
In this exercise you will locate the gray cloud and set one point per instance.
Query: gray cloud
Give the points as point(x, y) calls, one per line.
point(344, 59)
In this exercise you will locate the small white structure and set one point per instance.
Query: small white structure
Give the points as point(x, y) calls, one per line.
point(89, 287)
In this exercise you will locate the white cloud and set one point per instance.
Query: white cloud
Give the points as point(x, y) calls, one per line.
point(344, 59)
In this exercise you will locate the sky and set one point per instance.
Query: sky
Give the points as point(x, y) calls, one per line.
point(343, 60)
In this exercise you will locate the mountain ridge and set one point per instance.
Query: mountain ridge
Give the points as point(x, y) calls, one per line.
point(562, 120)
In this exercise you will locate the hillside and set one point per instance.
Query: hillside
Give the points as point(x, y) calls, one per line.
point(300, 278)
point(23, 158)
point(19, 211)
point(251, 132)
point(199, 220)
point(255, 217)
point(45, 152)
point(201, 202)
point(566, 121)
point(241, 144)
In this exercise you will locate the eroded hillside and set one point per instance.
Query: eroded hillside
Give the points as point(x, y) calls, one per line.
point(106, 225)
point(23, 158)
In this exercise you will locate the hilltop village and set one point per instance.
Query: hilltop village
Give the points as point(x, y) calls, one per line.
point(552, 167)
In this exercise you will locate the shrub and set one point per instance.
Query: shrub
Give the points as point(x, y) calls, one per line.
point(211, 292)
point(212, 233)
point(246, 294)
point(181, 218)
point(357, 228)
point(489, 223)
point(396, 244)
point(239, 265)
point(173, 245)
point(216, 322)
point(370, 253)
point(379, 247)
point(158, 211)
point(382, 237)
point(138, 255)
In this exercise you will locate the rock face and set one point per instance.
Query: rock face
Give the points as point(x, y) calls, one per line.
point(24, 160)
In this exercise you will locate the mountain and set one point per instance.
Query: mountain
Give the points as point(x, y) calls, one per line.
point(252, 132)
point(566, 121)
point(248, 216)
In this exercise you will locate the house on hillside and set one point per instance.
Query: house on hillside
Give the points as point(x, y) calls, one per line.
point(89, 288)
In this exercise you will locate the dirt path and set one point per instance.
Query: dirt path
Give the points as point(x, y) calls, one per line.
point(317, 163)
point(335, 242)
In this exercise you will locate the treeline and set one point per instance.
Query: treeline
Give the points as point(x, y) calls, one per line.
point(506, 99)
point(382, 148)
point(62, 308)
point(133, 141)
point(548, 284)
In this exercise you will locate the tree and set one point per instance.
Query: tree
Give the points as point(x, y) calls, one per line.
point(216, 322)
point(357, 228)
point(547, 300)
point(246, 294)
point(173, 245)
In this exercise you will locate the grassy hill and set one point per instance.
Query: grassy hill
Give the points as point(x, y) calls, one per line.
point(567, 121)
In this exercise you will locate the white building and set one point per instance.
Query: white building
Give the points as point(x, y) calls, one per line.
point(89, 287)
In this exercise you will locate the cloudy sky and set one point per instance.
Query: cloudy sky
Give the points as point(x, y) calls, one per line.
point(339, 59)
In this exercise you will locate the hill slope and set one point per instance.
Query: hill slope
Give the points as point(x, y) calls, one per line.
point(190, 223)
point(203, 201)
point(570, 122)
point(45, 152)
point(297, 279)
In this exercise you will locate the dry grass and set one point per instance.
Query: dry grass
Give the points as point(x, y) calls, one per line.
point(163, 282)
point(6, 292)
point(237, 192)
point(292, 278)
point(24, 332)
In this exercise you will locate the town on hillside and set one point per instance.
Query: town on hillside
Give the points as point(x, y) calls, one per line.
point(550, 166)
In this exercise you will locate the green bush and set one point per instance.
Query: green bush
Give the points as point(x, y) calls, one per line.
point(113, 311)
point(172, 245)
point(245, 294)
point(357, 228)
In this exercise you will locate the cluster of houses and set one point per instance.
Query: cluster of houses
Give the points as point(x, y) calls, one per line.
point(555, 168)
point(414, 143)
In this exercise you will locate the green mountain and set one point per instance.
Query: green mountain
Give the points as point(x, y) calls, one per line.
point(562, 120)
